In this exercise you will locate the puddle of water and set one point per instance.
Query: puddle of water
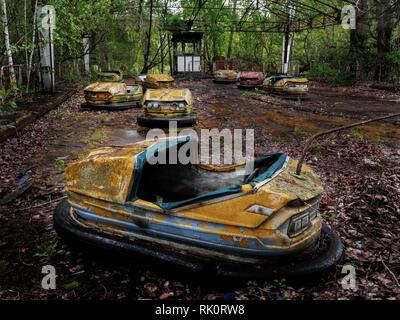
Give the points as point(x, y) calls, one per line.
point(122, 136)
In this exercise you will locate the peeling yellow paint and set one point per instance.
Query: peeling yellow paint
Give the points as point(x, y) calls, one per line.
point(166, 99)
point(111, 92)
point(157, 81)
point(287, 85)
point(101, 184)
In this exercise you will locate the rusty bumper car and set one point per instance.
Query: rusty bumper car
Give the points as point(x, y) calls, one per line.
point(158, 81)
point(112, 96)
point(287, 87)
point(251, 80)
point(225, 76)
point(161, 106)
point(215, 219)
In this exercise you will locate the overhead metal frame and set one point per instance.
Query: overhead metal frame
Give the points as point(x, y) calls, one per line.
point(315, 15)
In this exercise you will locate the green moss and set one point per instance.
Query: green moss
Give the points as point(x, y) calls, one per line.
point(297, 130)
point(97, 137)
point(249, 94)
point(46, 250)
point(60, 165)
point(357, 133)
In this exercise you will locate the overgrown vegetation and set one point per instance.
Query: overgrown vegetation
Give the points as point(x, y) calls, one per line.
point(137, 35)
point(46, 250)
point(6, 101)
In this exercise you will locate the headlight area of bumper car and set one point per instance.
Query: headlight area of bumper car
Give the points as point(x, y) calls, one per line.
point(199, 217)
point(251, 80)
point(162, 106)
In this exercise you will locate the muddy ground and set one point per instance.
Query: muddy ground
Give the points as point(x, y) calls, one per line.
point(359, 169)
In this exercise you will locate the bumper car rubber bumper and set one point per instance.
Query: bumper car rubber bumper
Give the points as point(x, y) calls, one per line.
point(163, 122)
point(110, 106)
point(224, 80)
point(249, 86)
point(77, 234)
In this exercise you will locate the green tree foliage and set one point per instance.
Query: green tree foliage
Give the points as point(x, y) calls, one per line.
point(135, 33)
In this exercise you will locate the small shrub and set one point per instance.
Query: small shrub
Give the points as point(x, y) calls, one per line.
point(357, 133)
point(297, 130)
point(7, 102)
point(60, 165)
point(97, 137)
point(46, 250)
point(329, 74)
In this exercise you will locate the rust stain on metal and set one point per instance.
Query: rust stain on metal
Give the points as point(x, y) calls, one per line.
point(167, 102)
point(158, 81)
point(112, 92)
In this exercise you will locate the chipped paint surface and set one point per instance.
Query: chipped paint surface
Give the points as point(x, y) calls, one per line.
point(109, 76)
point(286, 85)
point(225, 75)
point(99, 189)
point(173, 227)
point(112, 92)
point(166, 99)
point(252, 75)
point(158, 81)
point(251, 78)
point(106, 173)
point(168, 95)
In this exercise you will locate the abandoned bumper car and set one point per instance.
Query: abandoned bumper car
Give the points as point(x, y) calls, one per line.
point(287, 87)
point(199, 216)
point(109, 93)
point(251, 80)
point(225, 76)
point(164, 105)
point(158, 81)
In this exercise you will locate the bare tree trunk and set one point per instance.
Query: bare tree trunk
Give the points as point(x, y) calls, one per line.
point(233, 27)
point(214, 46)
point(26, 38)
point(148, 44)
point(13, 80)
point(29, 71)
point(384, 37)
point(358, 37)
point(171, 71)
point(162, 54)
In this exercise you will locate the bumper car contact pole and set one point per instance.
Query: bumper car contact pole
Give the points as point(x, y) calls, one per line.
point(312, 138)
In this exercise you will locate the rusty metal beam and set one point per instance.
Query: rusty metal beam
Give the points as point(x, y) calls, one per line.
point(312, 138)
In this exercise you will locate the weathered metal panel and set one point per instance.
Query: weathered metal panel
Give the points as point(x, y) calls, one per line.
point(106, 174)
point(225, 74)
point(99, 186)
point(166, 97)
point(283, 86)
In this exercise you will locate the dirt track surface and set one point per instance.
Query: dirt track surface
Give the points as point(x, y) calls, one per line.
point(359, 168)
